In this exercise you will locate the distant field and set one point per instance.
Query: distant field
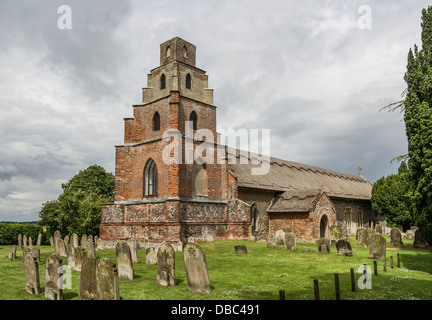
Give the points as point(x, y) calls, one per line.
point(259, 275)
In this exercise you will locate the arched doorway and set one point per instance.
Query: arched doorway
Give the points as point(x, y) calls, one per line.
point(324, 223)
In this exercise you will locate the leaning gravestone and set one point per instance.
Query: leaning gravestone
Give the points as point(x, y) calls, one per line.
point(396, 237)
point(12, 253)
point(53, 275)
point(61, 247)
point(344, 248)
point(166, 265)
point(88, 287)
point(418, 240)
point(20, 240)
point(124, 261)
point(271, 241)
point(151, 257)
point(280, 236)
point(323, 245)
point(79, 256)
point(240, 249)
point(31, 274)
point(196, 268)
point(377, 247)
point(107, 284)
point(290, 241)
point(39, 240)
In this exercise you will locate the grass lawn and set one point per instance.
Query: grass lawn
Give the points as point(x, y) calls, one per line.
point(259, 275)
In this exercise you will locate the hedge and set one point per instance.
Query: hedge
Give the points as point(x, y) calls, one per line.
point(9, 233)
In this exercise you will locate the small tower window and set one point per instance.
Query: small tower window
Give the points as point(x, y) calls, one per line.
point(162, 81)
point(168, 51)
point(188, 81)
point(184, 52)
point(199, 184)
point(156, 121)
point(193, 118)
point(150, 178)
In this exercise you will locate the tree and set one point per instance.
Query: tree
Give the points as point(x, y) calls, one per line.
point(79, 206)
point(391, 198)
point(418, 125)
point(49, 216)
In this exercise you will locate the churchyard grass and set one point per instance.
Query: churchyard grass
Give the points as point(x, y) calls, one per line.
point(257, 275)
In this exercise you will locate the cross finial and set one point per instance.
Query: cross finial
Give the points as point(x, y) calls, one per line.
point(360, 170)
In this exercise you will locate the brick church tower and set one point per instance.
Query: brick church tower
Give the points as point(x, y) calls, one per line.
point(162, 193)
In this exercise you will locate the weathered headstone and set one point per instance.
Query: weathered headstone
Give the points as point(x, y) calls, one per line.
point(418, 240)
point(90, 247)
point(56, 238)
point(79, 256)
point(12, 253)
point(96, 241)
point(134, 251)
point(240, 249)
point(280, 237)
point(36, 253)
point(396, 237)
point(31, 274)
point(39, 240)
point(196, 268)
point(30, 242)
point(336, 233)
point(107, 284)
point(271, 241)
point(344, 248)
point(25, 241)
point(88, 287)
point(362, 237)
point(323, 245)
point(290, 241)
point(379, 228)
point(53, 274)
point(151, 256)
point(377, 247)
point(20, 241)
point(61, 247)
point(166, 265)
point(124, 261)
point(74, 240)
point(24, 251)
point(84, 241)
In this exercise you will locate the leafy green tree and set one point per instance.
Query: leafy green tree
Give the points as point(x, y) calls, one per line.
point(391, 198)
point(49, 216)
point(418, 124)
point(79, 206)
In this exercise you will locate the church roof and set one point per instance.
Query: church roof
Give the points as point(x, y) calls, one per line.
point(287, 175)
point(295, 201)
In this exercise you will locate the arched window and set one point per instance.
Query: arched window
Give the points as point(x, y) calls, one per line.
point(168, 51)
point(199, 182)
point(188, 81)
point(254, 217)
point(162, 81)
point(156, 121)
point(150, 178)
point(193, 118)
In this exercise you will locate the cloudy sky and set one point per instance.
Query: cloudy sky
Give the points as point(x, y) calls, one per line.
point(314, 72)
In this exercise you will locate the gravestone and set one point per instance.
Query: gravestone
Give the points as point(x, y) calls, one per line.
point(96, 240)
point(66, 240)
point(240, 249)
point(396, 237)
point(20, 241)
point(56, 238)
point(36, 253)
point(52, 242)
point(362, 237)
point(336, 233)
point(418, 240)
point(25, 241)
point(74, 240)
point(252, 238)
point(290, 241)
point(166, 265)
point(78, 258)
point(271, 241)
point(107, 284)
point(377, 247)
point(323, 245)
point(90, 247)
point(30, 242)
point(84, 241)
point(12, 253)
point(53, 276)
point(151, 256)
point(124, 261)
point(409, 235)
point(88, 287)
point(134, 251)
point(379, 229)
point(280, 237)
point(344, 248)
point(61, 247)
point(31, 274)
point(196, 268)
point(39, 240)
point(24, 251)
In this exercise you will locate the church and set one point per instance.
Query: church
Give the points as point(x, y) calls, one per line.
point(162, 194)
